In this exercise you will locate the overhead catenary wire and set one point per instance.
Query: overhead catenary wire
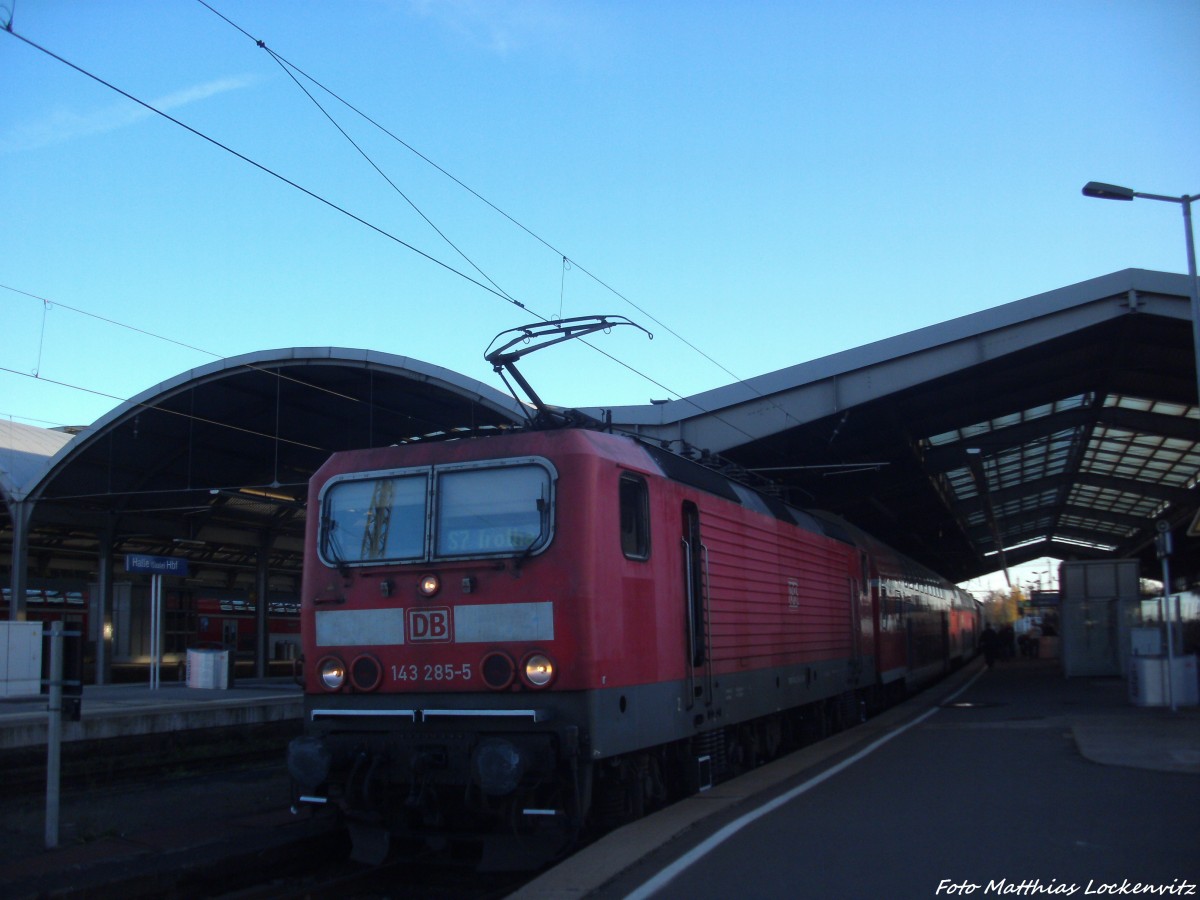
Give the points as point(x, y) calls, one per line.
point(292, 70)
point(495, 291)
point(393, 184)
point(169, 411)
point(567, 259)
point(264, 168)
point(49, 304)
point(273, 373)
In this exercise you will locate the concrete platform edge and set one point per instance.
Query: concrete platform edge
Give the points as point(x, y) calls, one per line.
point(601, 862)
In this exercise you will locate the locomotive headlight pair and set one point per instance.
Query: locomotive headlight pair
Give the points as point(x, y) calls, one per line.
point(365, 673)
point(537, 670)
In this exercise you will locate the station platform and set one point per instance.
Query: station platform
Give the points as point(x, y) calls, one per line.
point(129, 838)
point(996, 778)
point(1005, 781)
point(133, 709)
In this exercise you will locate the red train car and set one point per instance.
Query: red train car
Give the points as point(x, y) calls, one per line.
point(229, 619)
point(509, 637)
point(923, 624)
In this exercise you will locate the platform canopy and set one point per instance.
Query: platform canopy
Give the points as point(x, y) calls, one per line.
point(1063, 425)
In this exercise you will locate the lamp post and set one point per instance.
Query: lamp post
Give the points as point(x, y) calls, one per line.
point(1115, 192)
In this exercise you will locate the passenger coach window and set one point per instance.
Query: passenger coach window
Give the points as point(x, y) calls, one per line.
point(635, 517)
point(492, 510)
point(374, 519)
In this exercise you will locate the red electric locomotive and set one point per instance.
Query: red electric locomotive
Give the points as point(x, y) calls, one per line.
point(506, 637)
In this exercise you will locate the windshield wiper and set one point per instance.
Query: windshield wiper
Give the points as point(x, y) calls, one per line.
point(543, 523)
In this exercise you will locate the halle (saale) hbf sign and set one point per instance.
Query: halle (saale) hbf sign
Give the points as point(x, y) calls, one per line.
point(156, 565)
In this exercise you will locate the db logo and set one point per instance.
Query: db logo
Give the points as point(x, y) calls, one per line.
point(429, 624)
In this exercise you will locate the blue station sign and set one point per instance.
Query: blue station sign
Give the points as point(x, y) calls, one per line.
point(156, 565)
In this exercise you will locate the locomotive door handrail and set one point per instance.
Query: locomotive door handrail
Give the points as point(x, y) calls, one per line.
point(691, 622)
point(698, 609)
point(706, 599)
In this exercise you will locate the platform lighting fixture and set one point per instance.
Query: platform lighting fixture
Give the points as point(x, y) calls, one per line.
point(266, 494)
point(1102, 191)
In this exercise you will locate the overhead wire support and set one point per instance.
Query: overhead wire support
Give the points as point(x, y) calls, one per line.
point(51, 304)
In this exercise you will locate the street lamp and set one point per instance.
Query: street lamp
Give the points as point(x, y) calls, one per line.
point(1116, 192)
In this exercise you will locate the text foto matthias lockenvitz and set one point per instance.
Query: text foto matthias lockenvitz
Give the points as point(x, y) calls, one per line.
point(1032, 887)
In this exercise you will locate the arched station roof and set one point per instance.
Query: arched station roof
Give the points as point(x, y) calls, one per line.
point(25, 453)
point(1064, 424)
point(214, 463)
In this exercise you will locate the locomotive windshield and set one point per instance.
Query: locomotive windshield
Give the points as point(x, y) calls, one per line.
point(375, 518)
point(452, 512)
point(483, 511)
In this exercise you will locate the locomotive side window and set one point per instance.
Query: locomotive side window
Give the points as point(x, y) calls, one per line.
point(635, 517)
point(483, 511)
point(374, 519)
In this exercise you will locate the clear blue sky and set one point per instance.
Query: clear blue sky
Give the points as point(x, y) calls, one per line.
point(773, 181)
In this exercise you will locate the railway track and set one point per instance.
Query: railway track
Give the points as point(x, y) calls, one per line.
point(396, 881)
point(145, 758)
point(204, 834)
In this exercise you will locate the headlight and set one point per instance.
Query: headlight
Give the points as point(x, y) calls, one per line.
point(537, 670)
point(429, 585)
point(498, 671)
point(366, 673)
point(332, 672)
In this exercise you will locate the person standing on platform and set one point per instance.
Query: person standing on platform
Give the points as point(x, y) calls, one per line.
point(990, 641)
point(1035, 641)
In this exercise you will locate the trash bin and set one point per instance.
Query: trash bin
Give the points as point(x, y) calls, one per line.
point(209, 668)
point(1155, 681)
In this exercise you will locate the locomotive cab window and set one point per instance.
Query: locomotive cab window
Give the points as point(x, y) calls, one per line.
point(369, 519)
point(493, 510)
point(480, 509)
point(635, 517)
